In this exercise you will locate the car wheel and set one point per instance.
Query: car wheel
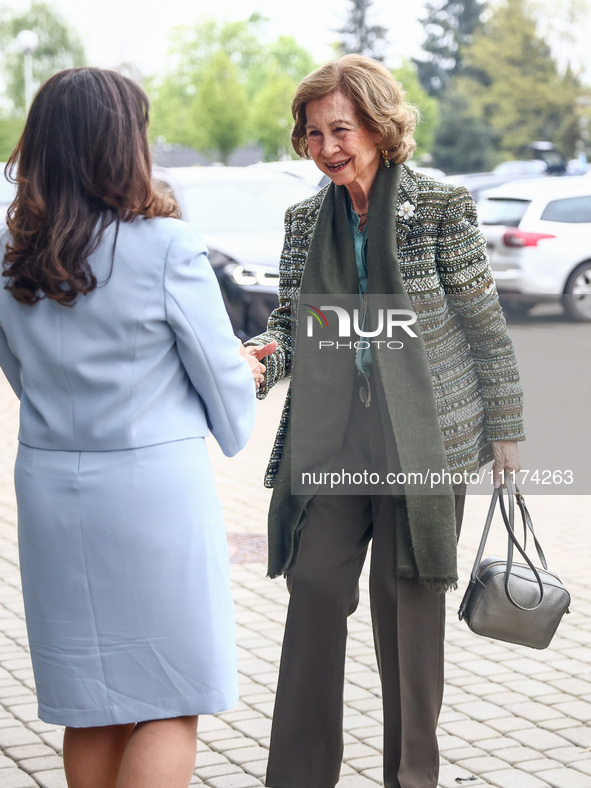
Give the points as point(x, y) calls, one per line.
point(577, 293)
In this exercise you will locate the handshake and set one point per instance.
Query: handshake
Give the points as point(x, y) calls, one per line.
point(254, 355)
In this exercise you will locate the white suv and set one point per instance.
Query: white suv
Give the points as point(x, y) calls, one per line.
point(539, 241)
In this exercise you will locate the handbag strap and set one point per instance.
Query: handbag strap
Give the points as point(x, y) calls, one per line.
point(513, 495)
point(528, 525)
point(479, 553)
point(497, 492)
point(513, 542)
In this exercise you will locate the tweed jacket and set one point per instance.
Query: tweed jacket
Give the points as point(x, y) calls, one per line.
point(443, 261)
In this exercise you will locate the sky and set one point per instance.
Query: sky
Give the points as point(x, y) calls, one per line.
point(116, 31)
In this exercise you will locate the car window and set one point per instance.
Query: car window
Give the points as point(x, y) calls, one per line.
point(244, 205)
point(552, 159)
point(497, 210)
point(573, 210)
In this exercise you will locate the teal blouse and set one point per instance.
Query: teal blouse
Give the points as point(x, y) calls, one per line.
point(363, 357)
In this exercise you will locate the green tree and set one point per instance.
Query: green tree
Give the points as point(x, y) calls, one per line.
point(272, 88)
point(450, 26)
point(171, 110)
point(10, 130)
point(407, 75)
point(358, 35)
point(284, 56)
point(464, 141)
point(224, 87)
point(520, 93)
point(186, 106)
point(565, 26)
point(59, 48)
point(271, 119)
point(221, 109)
point(291, 58)
point(193, 47)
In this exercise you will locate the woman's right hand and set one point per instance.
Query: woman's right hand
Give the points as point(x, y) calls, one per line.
point(253, 354)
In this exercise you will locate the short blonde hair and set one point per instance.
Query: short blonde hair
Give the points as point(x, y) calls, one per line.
point(378, 99)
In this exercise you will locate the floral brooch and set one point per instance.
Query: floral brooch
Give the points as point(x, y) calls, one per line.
point(406, 210)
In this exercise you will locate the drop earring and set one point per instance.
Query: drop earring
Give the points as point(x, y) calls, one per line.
point(385, 158)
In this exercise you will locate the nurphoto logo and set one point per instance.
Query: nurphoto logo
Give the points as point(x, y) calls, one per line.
point(389, 322)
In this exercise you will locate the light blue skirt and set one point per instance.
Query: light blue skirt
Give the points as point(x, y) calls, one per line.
point(125, 575)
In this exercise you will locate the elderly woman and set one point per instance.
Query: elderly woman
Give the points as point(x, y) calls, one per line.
point(451, 401)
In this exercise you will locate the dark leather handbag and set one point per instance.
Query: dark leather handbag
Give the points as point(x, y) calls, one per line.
point(516, 602)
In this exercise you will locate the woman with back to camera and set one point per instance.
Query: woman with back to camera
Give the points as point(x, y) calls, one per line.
point(448, 401)
point(114, 336)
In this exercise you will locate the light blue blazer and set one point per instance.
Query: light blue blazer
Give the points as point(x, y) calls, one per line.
point(147, 357)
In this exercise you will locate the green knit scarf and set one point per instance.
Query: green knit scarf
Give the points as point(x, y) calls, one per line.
point(426, 535)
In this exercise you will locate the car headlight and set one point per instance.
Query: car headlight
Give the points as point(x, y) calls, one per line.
point(253, 275)
point(218, 259)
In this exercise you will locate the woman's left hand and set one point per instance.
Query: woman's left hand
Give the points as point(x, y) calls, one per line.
point(506, 460)
point(253, 356)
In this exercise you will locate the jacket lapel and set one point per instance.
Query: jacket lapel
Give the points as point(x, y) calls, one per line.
point(406, 205)
point(406, 208)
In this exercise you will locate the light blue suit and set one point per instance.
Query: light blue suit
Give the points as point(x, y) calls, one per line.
point(148, 357)
point(123, 552)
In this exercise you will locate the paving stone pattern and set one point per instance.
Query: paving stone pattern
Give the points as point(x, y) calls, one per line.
point(512, 717)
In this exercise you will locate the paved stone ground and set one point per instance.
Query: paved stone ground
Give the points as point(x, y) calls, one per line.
point(512, 717)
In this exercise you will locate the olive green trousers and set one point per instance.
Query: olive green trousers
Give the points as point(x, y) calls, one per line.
point(408, 618)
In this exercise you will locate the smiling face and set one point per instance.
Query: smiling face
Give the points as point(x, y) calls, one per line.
point(340, 146)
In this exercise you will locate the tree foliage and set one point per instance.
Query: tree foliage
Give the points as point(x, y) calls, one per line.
point(407, 75)
point(358, 35)
point(509, 93)
point(520, 92)
point(221, 107)
point(59, 48)
point(273, 86)
point(450, 26)
point(464, 141)
point(10, 131)
point(565, 26)
point(226, 87)
point(192, 47)
point(271, 119)
point(284, 56)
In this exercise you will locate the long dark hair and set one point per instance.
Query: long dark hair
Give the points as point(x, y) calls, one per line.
point(82, 163)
